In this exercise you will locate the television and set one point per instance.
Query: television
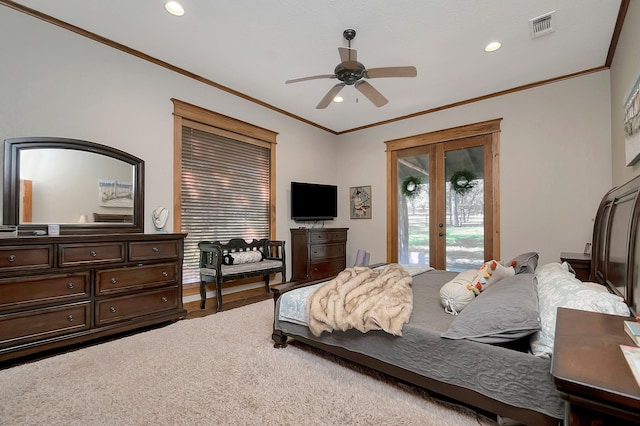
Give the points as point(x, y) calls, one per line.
point(313, 201)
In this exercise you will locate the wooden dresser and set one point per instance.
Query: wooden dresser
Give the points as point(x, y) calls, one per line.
point(57, 291)
point(317, 253)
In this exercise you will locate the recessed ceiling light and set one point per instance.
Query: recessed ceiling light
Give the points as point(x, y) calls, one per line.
point(338, 99)
point(174, 8)
point(493, 46)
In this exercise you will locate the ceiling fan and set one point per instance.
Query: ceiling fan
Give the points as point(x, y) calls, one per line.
point(351, 73)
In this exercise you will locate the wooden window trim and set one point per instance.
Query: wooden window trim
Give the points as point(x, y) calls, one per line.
point(490, 127)
point(186, 114)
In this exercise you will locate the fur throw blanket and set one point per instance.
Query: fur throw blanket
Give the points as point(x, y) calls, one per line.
point(364, 299)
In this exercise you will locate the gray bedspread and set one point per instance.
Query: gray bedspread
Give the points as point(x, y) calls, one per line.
point(509, 376)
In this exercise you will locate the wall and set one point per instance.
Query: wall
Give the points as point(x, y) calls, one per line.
point(555, 165)
point(625, 70)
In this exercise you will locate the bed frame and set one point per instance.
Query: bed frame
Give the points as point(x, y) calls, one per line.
point(615, 262)
point(615, 257)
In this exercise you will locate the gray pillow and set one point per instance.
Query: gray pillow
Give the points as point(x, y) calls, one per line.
point(504, 312)
point(526, 262)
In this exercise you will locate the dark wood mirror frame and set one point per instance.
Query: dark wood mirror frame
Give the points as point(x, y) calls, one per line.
point(11, 185)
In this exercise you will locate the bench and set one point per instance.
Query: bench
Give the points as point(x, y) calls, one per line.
point(238, 259)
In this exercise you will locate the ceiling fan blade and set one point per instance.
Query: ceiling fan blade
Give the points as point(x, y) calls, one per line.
point(371, 93)
point(348, 57)
point(391, 72)
point(313, 77)
point(329, 96)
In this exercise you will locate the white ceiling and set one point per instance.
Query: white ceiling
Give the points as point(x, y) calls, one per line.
point(252, 47)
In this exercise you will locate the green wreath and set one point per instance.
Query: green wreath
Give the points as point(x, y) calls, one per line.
point(411, 186)
point(462, 181)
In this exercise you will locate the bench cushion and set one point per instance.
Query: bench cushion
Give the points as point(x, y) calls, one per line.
point(250, 267)
point(243, 268)
point(210, 272)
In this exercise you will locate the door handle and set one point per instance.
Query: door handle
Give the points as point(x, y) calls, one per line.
point(440, 234)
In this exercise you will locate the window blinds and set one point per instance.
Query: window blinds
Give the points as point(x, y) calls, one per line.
point(225, 192)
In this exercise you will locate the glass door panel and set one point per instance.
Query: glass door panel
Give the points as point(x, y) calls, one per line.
point(413, 209)
point(451, 222)
point(464, 208)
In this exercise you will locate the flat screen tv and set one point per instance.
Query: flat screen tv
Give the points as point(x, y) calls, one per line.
point(313, 201)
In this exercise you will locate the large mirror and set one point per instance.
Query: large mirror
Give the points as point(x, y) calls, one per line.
point(82, 186)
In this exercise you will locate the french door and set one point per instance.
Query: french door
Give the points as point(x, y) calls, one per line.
point(443, 207)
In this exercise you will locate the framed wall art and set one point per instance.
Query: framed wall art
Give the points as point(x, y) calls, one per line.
point(360, 202)
point(632, 125)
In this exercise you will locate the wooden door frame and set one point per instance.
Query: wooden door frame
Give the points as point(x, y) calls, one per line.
point(492, 193)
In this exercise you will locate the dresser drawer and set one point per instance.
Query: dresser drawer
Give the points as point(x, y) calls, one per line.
point(149, 250)
point(326, 269)
point(110, 281)
point(19, 292)
point(86, 254)
point(38, 324)
point(326, 251)
point(116, 309)
point(327, 236)
point(26, 257)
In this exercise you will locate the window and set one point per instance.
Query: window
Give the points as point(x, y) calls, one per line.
point(224, 180)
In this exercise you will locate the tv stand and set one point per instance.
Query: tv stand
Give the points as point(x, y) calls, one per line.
point(317, 253)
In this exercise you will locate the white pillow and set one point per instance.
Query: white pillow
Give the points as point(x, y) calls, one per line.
point(557, 287)
point(458, 293)
point(595, 286)
point(492, 271)
point(240, 257)
point(542, 272)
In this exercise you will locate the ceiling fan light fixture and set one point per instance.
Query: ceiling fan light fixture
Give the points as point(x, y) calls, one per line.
point(174, 8)
point(350, 72)
point(493, 46)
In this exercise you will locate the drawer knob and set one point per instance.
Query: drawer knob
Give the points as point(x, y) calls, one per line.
point(113, 280)
point(11, 258)
point(70, 318)
point(155, 249)
point(164, 299)
point(70, 286)
point(165, 274)
point(93, 253)
point(113, 309)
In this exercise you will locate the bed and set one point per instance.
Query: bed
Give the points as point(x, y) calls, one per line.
point(509, 377)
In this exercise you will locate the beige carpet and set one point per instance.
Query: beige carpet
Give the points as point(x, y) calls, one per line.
point(217, 370)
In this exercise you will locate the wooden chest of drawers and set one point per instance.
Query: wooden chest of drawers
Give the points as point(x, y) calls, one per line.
point(317, 253)
point(56, 291)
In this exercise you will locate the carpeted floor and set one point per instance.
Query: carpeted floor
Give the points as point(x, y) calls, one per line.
point(216, 370)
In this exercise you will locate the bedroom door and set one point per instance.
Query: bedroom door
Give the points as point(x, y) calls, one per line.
point(443, 207)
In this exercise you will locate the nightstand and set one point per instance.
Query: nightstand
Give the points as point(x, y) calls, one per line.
point(580, 262)
point(590, 371)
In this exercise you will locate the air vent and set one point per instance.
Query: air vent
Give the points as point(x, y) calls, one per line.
point(542, 25)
